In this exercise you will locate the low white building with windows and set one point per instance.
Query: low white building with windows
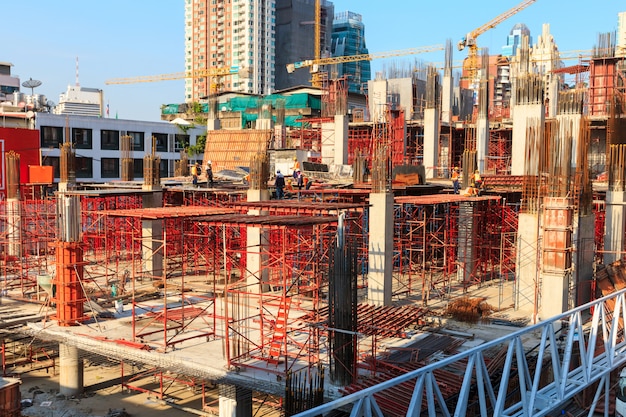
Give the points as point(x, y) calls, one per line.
point(98, 144)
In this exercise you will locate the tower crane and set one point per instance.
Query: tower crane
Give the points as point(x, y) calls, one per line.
point(200, 73)
point(469, 40)
point(314, 64)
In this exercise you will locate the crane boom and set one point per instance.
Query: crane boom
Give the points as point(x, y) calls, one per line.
point(361, 57)
point(210, 72)
point(470, 39)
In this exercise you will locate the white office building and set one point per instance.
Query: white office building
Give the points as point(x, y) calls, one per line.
point(97, 142)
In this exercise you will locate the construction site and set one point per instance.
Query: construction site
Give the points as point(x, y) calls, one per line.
point(374, 269)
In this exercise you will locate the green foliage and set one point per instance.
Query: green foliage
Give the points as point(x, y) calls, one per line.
point(198, 148)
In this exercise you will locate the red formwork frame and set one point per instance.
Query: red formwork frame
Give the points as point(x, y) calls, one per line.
point(27, 252)
point(427, 240)
point(599, 210)
point(295, 261)
point(360, 139)
point(500, 148)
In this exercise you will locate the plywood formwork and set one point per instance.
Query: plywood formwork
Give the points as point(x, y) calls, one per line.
point(229, 149)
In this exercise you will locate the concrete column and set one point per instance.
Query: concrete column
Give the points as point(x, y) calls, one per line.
point(257, 246)
point(70, 371)
point(465, 244)
point(614, 226)
point(213, 124)
point(446, 98)
point(379, 276)
point(482, 142)
point(235, 401)
point(525, 116)
point(431, 142)
point(264, 124)
point(527, 275)
point(341, 139)
point(152, 237)
point(584, 254)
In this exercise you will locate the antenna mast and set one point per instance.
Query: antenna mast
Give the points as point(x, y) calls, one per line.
point(77, 82)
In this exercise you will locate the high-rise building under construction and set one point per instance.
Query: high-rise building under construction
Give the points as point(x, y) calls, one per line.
point(230, 34)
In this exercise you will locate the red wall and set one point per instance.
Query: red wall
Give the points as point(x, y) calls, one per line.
point(25, 142)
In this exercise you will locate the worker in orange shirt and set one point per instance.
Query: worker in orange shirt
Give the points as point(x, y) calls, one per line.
point(455, 179)
point(295, 167)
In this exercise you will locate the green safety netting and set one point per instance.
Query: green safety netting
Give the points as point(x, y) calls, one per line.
point(248, 106)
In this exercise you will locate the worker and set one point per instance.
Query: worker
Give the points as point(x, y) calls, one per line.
point(477, 183)
point(195, 171)
point(455, 179)
point(209, 172)
point(279, 183)
point(296, 166)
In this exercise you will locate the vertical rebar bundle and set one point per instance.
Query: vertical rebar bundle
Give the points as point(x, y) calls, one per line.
point(13, 175)
point(534, 153)
point(583, 190)
point(433, 88)
point(127, 158)
point(616, 167)
point(571, 102)
point(359, 167)
point(342, 311)
point(556, 163)
point(151, 170)
point(529, 89)
point(259, 171)
point(606, 45)
point(380, 174)
point(181, 167)
point(304, 390)
point(469, 166)
point(67, 163)
point(483, 86)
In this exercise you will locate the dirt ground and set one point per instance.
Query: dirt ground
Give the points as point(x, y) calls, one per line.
point(103, 398)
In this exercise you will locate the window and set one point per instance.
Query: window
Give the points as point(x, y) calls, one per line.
point(161, 141)
point(163, 170)
point(81, 138)
point(84, 167)
point(110, 168)
point(110, 139)
point(138, 168)
point(137, 141)
point(180, 142)
point(51, 137)
point(52, 161)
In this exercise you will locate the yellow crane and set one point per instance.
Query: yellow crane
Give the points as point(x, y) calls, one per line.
point(201, 73)
point(469, 40)
point(314, 64)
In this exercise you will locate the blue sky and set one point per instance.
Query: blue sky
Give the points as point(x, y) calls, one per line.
point(116, 38)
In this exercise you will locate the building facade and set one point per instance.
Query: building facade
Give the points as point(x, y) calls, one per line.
point(348, 38)
point(9, 84)
point(81, 101)
point(226, 34)
point(97, 143)
point(295, 38)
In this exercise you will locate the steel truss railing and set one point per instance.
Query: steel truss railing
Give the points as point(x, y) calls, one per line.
point(588, 348)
